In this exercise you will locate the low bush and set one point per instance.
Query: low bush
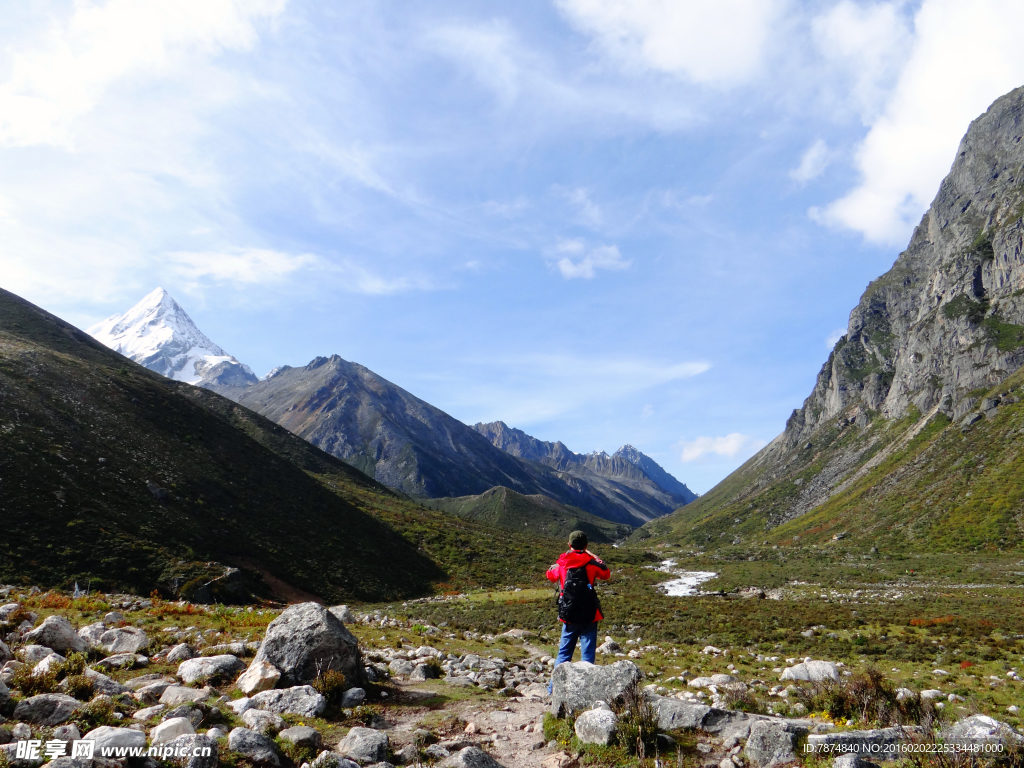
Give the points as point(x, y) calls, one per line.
point(869, 698)
point(638, 721)
point(330, 685)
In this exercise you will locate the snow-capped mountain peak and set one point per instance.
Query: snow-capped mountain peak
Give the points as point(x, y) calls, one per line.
point(159, 334)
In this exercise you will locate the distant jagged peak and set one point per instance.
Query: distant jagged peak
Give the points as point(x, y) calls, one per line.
point(159, 334)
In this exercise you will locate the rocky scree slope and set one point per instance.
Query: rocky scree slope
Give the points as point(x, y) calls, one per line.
point(403, 442)
point(928, 341)
point(114, 476)
point(627, 477)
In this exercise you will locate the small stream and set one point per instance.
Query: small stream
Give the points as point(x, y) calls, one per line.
point(685, 583)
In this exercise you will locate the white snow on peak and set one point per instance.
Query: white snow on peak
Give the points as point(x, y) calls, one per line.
point(158, 334)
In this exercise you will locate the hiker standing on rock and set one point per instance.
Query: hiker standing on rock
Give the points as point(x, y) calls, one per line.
point(579, 610)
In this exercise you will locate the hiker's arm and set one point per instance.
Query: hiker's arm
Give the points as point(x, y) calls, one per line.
point(552, 573)
point(601, 571)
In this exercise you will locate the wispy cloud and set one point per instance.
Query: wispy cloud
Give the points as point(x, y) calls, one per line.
point(729, 446)
point(582, 261)
point(241, 266)
point(813, 162)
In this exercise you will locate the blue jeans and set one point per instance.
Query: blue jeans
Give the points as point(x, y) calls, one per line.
point(587, 636)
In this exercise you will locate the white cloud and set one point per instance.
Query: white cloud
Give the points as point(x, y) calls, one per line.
point(964, 56)
point(720, 43)
point(647, 412)
point(813, 162)
point(588, 210)
point(865, 47)
point(241, 266)
point(730, 445)
point(260, 266)
point(66, 72)
point(833, 338)
point(581, 261)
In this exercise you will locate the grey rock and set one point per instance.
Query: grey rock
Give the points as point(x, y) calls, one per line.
point(92, 633)
point(436, 752)
point(174, 695)
point(423, 672)
point(33, 654)
point(10, 751)
point(353, 697)
point(471, 757)
point(302, 736)
point(57, 633)
point(577, 685)
point(21, 731)
point(123, 640)
point(140, 682)
point(267, 723)
point(596, 726)
point(877, 742)
point(210, 667)
point(141, 715)
point(67, 732)
point(179, 653)
point(5, 653)
point(184, 747)
point(327, 759)
point(674, 714)
point(401, 667)
point(364, 745)
point(852, 761)
point(103, 684)
point(254, 746)
point(108, 737)
point(170, 729)
point(47, 709)
point(307, 637)
point(980, 730)
point(407, 755)
point(123, 661)
point(772, 743)
point(151, 693)
point(189, 712)
point(298, 700)
point(812, 671)
point(343, 614)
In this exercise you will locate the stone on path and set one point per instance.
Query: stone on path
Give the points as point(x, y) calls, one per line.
point(596, 726)
point(365, 745)
point(471, 757)
point(772, 743)
point(576, 686)
point(302, 700)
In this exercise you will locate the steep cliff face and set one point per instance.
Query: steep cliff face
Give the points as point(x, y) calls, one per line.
point(886, 441)
point(948, 318)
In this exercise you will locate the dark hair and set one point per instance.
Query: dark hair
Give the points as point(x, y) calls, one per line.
point(578, 540)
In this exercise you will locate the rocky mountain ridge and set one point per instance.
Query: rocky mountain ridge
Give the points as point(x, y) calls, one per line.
point(929, 339)
point(403, 442)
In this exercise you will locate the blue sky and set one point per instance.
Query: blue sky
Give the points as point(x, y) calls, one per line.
point(600, 221)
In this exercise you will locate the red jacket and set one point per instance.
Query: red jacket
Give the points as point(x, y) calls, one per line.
point(574, 559)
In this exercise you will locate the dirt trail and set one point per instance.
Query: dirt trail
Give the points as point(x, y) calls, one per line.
point(509, 729)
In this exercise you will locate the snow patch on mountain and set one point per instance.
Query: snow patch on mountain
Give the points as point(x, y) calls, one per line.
point(158, 334)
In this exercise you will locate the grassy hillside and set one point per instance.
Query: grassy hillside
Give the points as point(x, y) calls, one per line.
point(115, 477)
point(535, 514)
point(918, 484)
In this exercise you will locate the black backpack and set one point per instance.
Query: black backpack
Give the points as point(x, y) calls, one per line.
point(578, 603)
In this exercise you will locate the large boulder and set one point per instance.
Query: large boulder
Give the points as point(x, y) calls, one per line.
point(812, 671)
point(470, 757)
point(47, 709)
point(674, 714)
point(773, 743)
point(306, 639)
point(123, 640)
point(197, 751)
point(260, 676)
point(978, 730)
point(365, 745)
point(57, 633)
point(302, 700)
point(255, 746)
point(92, 633)
point(596, 726)
point(209, 667)
point(576, 686)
